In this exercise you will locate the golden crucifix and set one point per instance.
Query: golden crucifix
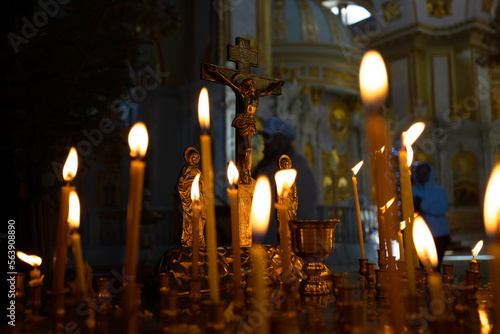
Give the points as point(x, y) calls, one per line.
point(248, 88)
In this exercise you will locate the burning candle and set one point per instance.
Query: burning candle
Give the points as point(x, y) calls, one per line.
point(373, 85)
point(475, 251)
point(232, 176)
point(196, 207)
point(405, 160)
point(138, 142)
point(426, 251)
point(355, 170)
point(76, 242)
point(35, 261)
point(259, 220)
point(492, 226)
point(208, 174)
point(284, 181)
point(402, 226)
point(61, 247)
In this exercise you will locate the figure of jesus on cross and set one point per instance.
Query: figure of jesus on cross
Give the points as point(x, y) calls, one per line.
point(248, 88)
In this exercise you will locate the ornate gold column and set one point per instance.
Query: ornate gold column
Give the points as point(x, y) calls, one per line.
point(263, 27)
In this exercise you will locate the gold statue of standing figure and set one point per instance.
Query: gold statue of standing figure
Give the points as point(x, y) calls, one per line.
point(291, 201)
point(184, 182)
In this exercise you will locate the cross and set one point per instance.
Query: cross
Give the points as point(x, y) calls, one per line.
point(243, 56)
point(245, 59)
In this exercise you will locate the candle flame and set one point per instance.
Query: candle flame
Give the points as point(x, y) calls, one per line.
point(138, 140)
point(492, 202)
point(261, 207)
point(412, 134)
point(373, 79)
point(74, 210)
point(204, 110)
point(477, 248)
point(402, 225)
point(424, 243)
point(284, 180)
point(356, 168)
point(232, 173)
point(485, 322)
point(409, 137)
point(71, 165)
point(387, 205)
point(32, 260)
point(195, 188)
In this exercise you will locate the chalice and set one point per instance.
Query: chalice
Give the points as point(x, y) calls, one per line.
point(312, 240)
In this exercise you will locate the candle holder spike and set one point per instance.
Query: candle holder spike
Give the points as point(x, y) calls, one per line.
point(362, 270)
point(448, 277)
point(313, 241)
point(215, 322)
point(476, 267)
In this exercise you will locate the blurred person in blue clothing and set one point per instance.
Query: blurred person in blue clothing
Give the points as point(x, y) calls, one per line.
point(431, 202)
point(278, 137)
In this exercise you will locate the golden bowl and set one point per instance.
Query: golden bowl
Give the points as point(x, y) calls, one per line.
point(313, 241)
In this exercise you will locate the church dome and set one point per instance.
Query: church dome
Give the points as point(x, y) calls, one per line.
point(312, 45)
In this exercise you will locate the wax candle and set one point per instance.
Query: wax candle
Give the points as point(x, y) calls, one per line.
point(373, 83)
point(208, 175)
point(138, 142)
point(426, 251)
point(76, 243)
point(232, 176)
point(35, 261)
point(195, 202)
point(491, 212)
point(405, 159)
point(355, 170)
point(475, 251)
point(61, 247)
point(402, 226)
point(259, 220)
point(284, 181)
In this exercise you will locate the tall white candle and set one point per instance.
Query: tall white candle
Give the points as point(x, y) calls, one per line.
point(259, 220)
point(208, 175)
point(355, 170)
point(492, 226)
point(76, 243)
point(138, 142)
point(195, 224)
point(232, 175)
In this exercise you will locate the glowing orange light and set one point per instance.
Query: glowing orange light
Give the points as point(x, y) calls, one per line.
point(138, 140)
point(195, 188)
point(356, 168)
point(204, 110)
point(261, 207)
point(232, 173)
point(402, 225)
point(74, 210)
point(409, 137)
point(424, 243)
point(492, 203)
point(387, 205)
point(32, 260)
point(71, 165)
point(477, 248)
point(284, 180)
point(373, 79)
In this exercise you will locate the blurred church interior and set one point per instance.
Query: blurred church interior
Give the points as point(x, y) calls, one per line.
point(84, 72)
